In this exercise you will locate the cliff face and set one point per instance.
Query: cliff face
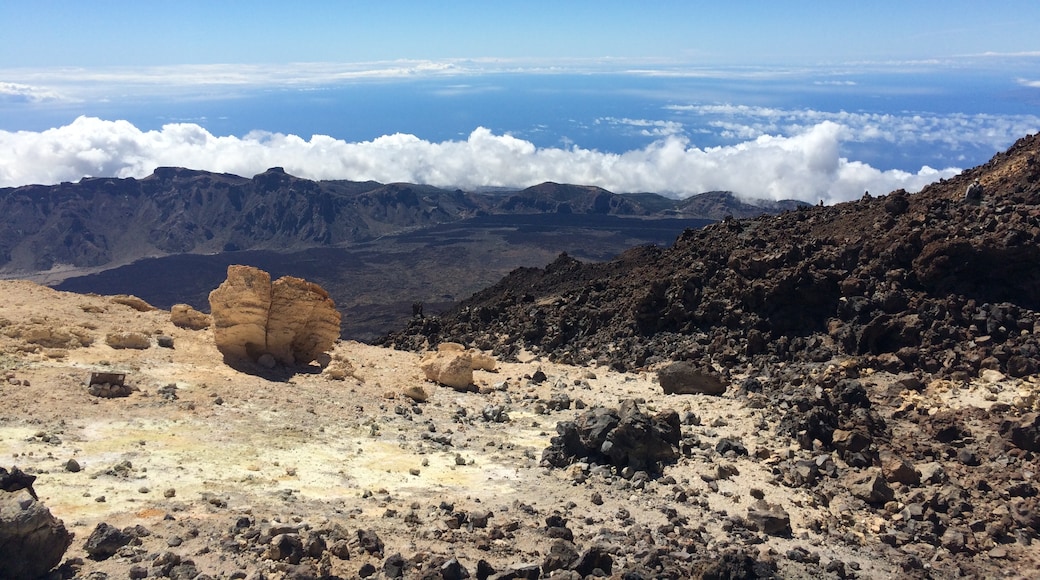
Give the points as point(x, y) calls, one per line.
point(104, 222)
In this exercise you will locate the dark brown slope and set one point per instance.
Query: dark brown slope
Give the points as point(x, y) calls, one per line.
point(857, 331)
point(907, 278)
point(102, 223)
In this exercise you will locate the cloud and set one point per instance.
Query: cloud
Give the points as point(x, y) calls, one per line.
point(644, 127)
point(805, 166)
point(1029, 83)
point(19, 93)
point(743, 122)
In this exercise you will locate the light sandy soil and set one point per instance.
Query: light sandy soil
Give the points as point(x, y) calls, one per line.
point(313, 452)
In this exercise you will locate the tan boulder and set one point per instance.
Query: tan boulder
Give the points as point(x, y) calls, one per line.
point(133, 302)
point(339, 370)
point(482, 361)
point(184, 316)
point(449, 367)
point(128, 340)
point(292, 320)
point(50, 337)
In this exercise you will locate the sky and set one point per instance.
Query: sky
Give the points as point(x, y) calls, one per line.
point(796, 99)
point(73, 33)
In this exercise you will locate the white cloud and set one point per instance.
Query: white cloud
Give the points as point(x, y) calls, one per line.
point(20, 93)
point(644, 127)
point(805, 166)
point(903, 129)
point(1029, 83)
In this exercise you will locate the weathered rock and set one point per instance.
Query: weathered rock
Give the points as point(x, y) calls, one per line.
point(105, 541)
point(686, 378)
point(453, 570)
point(184, 316)
point(481, 361)
point(15, 480)
point(339, 370)
point(898, 470)
point(872, 488)
point(626, 437)
point(416, 393)
point(1024, 433)
point(594, 558)
point(292, 320)
point(451, 368)
point(134, 340)
point(286, 547)
point(370, 541)
point(133, 302)
point(48, 336)
point(771, 519)
point(109, 390)
point(32, 540)
point(395, 566)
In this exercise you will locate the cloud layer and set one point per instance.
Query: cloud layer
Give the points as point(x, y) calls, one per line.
point(805, 166)
point(906, 128)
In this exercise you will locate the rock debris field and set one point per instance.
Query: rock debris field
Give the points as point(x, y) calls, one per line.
point(367, 469)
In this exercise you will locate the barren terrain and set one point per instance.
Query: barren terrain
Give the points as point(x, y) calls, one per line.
point(216, 466)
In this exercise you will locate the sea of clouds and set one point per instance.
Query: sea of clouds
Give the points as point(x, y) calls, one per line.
point(755, 151)
point(805, 165)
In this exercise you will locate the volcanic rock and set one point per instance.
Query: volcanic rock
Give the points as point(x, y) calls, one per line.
point(625, 437)
point(105, 541)
point(1024, 433)
point(771, 519)
point(32, 540)
point(16, 479)
point(292, 320)
point(872, 488)
point(686, 378)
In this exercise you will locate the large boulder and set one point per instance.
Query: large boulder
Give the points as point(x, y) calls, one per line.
point(686, 378)
point(624, 437)
point(105, 541)
point(449, 366)
point(292, 320)
point(32, 540)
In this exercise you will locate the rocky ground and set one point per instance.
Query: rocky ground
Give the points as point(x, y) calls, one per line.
point(207, 471)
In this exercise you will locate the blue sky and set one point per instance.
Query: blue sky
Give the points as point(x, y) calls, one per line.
point(774, 99)
point(47, 33)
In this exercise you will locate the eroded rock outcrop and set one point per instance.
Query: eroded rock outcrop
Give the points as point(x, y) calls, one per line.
point(292, 320)
point(32, 540)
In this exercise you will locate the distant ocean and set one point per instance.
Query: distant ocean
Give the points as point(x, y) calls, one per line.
point(891, 120)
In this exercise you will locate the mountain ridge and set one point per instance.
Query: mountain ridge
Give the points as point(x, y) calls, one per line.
point(105, 222)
